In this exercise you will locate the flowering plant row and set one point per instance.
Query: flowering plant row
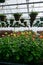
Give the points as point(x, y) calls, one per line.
point(21, 47)
point(25, 33)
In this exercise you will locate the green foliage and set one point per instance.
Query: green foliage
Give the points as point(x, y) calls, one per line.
point(21, 49)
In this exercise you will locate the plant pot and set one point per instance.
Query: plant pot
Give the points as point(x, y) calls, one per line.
point(41, 18)
point(2, 17)
point(3, 25)
point(11, 22)
point(32, 17)
point(2, 1)
point(7, 24)
point(25, 23)
point(16, 24)
point(17, 16)
point(22, 20)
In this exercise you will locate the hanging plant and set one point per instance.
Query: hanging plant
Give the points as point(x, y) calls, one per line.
point(2, 1)
point(25, 24)
point(2, 17)
point(7, 24)
point(41, 18)
point(32, 17)
point(3, 25)
point(22, 20)
point(11, 22)
point(16, 24)
point(17, 16)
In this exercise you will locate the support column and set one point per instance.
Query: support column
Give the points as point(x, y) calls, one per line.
point(27, 1)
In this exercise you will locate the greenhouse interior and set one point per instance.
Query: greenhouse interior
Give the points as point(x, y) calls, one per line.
point(21, 32)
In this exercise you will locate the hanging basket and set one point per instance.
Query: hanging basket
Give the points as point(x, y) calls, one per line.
point(33, 17)
point(22, 20)
point(2, 1)
point(17, 16)
point(11, 20)
point(2, 17)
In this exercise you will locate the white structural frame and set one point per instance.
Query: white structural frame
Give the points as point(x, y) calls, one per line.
point(16, 29)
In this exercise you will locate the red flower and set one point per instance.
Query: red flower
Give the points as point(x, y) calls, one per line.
point(41, 36)
point(18, 33)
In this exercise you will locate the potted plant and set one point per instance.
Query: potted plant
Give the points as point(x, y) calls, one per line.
point(11, 22)
point(2, 1)
point(16, 24)
point(25, 23)
point(41, 18)
point(22, 20)
point(3, 24)
point(7, 24)
point(2, 17)
point(32, 17)
point(17, 16)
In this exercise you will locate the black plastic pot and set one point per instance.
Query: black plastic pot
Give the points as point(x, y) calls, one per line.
point(22, 20)
point(16, 24)
point(7, 24)
point(2, 18)
point(17, 16)
point(3, 25)
point(25, 24)
point(11, 22)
